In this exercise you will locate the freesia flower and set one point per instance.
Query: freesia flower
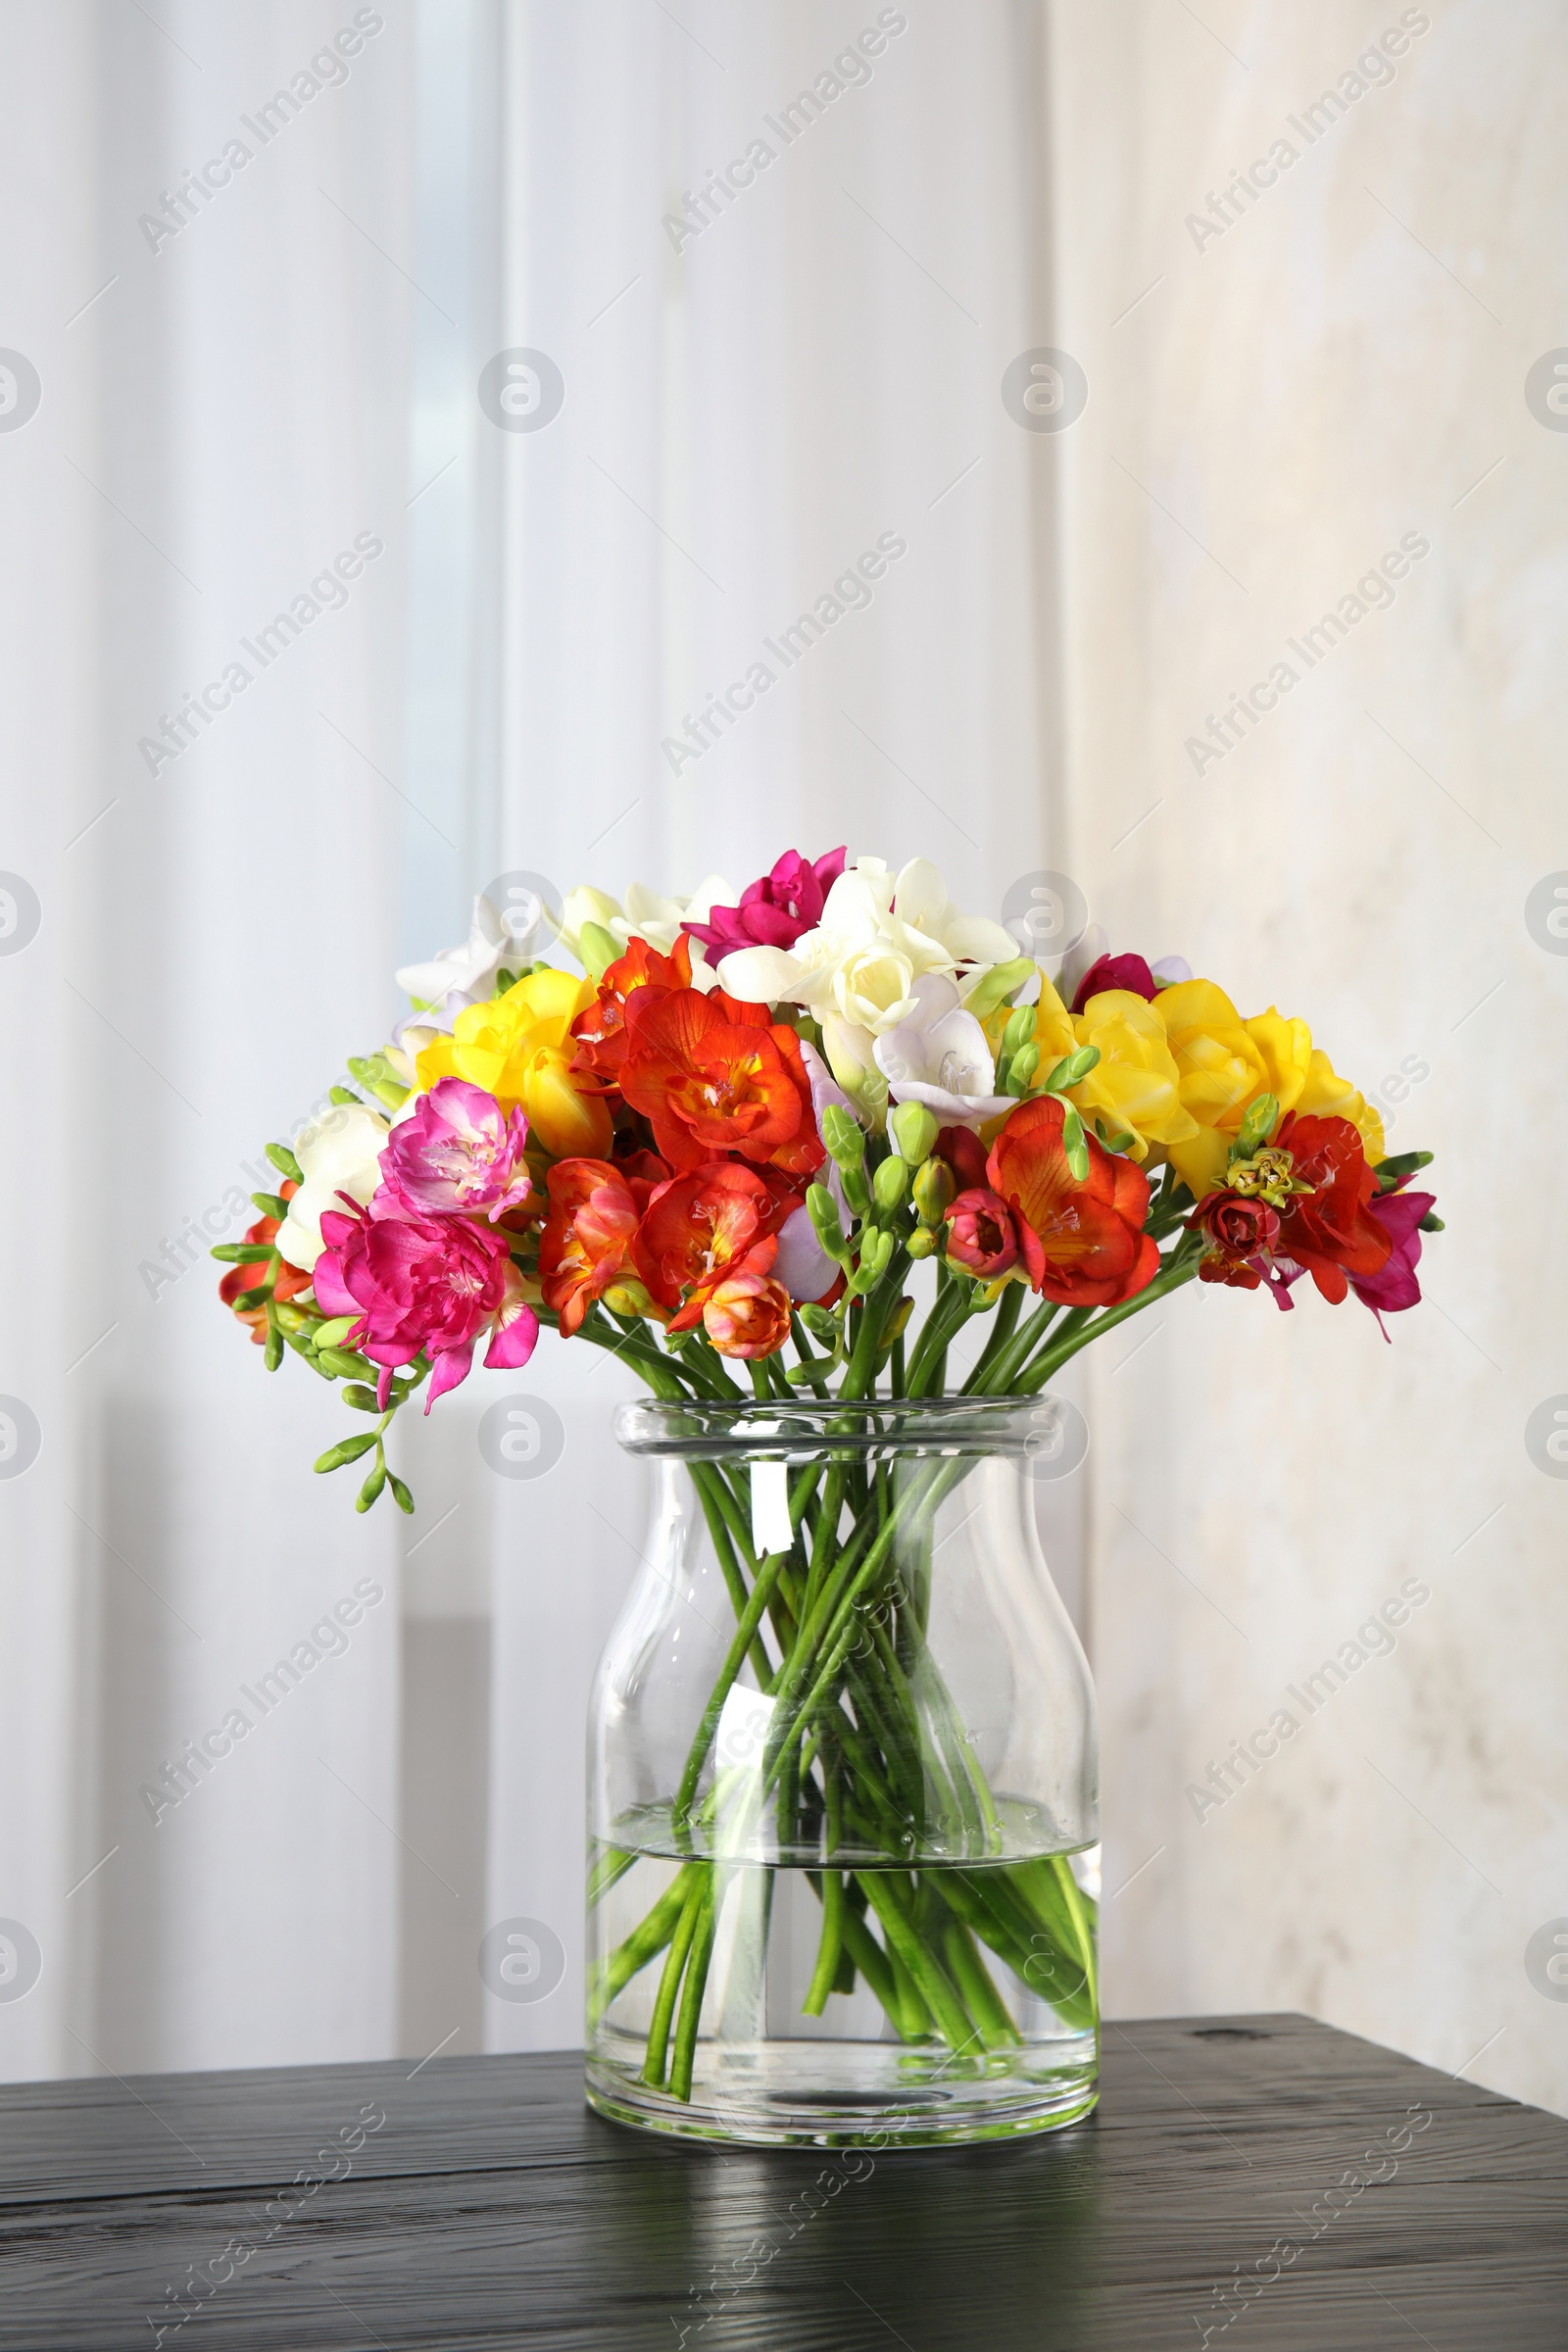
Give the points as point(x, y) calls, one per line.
point(748, 1315)
point(710, 1084)
point(1223, 1063)
point(601, 1031)
point(856, 972)
point(1394, 1287)
point(338, 1153)
point(289, 1283)
point(939, 1056)
point(774, 911)
point(701, 1228)
point(647, 914)
point(1081, 1245)
point(1242, 1232)
point(422, 1284)
point(1332, 1230)
point(1128, 972)
point(465, 975)
point(981, 1235)
point(586, 1243)
point(518, 1048)
point(457, 1150)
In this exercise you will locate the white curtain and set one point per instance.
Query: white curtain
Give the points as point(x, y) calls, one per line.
point(288, 372)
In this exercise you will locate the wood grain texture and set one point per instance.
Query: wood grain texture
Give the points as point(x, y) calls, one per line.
point(492, 2210)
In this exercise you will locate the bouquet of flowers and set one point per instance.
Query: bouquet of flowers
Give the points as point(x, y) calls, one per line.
point(714, 1138)
point(730, 1133)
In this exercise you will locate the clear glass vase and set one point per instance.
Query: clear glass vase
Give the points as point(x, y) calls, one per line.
point(843, 1785)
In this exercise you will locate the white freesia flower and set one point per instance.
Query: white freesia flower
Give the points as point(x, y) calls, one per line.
point(339, 1152)
point(856, 972)
point(939, 1056)
point(467, 973)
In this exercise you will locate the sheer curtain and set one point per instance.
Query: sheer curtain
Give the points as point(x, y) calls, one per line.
point(284, 377)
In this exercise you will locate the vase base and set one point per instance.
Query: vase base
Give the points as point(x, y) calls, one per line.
point(850, 2094)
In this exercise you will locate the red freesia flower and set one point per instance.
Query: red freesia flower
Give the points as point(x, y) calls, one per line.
point(1130, 972)
point(981, 1236)
point(965, 1156)
point(422, 1284)
point(1083, 1245)
point(775, 911)
point(290, 1281)
point(601, 1030)
point(1239, 1232)
point(1331, 1230)
point(748, 1314)
point(703, 1228)
point(710, 1083)
point(586, 1242)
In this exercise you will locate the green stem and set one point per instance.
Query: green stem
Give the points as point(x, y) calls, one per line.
point(669, 1983)
point(691, 1997)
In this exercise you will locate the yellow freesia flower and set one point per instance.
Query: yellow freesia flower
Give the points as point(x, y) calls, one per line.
point(1135, 1083)
point(1224, 1063)
point(518, 1048)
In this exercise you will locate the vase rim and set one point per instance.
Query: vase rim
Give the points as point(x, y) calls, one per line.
point(791, 1429)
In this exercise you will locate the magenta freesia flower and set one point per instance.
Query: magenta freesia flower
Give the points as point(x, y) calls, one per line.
point(775, 911)
point(1394, 1285)
point(422, 1284)
point(1129, 972)
point(458, 1152)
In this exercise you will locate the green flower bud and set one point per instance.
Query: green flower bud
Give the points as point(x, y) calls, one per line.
point(347, 1450)
point(922, 1243)
point(1258, 1125)
point(372, 1488)
point(820, 1322)
point(344, 1094)
point(1072, 1069)
point(272, 1353)
point(1022, 1068)
point(241, 1253)
point(889, 1183)
point(914, 1130)
point(327, 1335)
point(934, 1189)
point(598, 950)
point(842, 1136)
point(1074, 1144)
point(376, 1073)
point(1433, 1223)
point(400, 1494)
point(360, 1397)
point(284, 1162)
point(1019, 1030)
point(995, 989)
point(824, 1216)
point(271, 1205)
point(345, 1365)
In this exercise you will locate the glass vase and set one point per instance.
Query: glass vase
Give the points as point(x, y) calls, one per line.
point(843, 1785)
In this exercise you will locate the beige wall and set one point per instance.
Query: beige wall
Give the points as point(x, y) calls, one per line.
point(1338, 368)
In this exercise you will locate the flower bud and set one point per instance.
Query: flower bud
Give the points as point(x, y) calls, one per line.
point(824, 1215)
point(876, 1247)
point(922, 1243)
point(841, 1136)
point(914, 1131)
point(820, 1322)
point(1019, 1030)
point(372, 1488)
point(271, 1205)
point(284, 1162)
point(349, 1449)
point(630, 1297)
point(997, 985)
point(934, 1189)
point(598, 950)
point(1258, 1125)
point(1072, 1069)
point(1022, 1068)
point(1074, 1146)
point(890, 1182)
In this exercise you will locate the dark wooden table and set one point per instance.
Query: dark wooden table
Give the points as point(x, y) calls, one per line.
point(1346, 2197)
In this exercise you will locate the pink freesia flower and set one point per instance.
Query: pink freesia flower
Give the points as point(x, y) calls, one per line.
point(775, 911)
point(981, 1235)
point(457, 1152)
point(422, 1285)
point(1394, 1285)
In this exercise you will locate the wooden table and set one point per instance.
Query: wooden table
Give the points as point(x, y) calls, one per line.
point(1360, 2200)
